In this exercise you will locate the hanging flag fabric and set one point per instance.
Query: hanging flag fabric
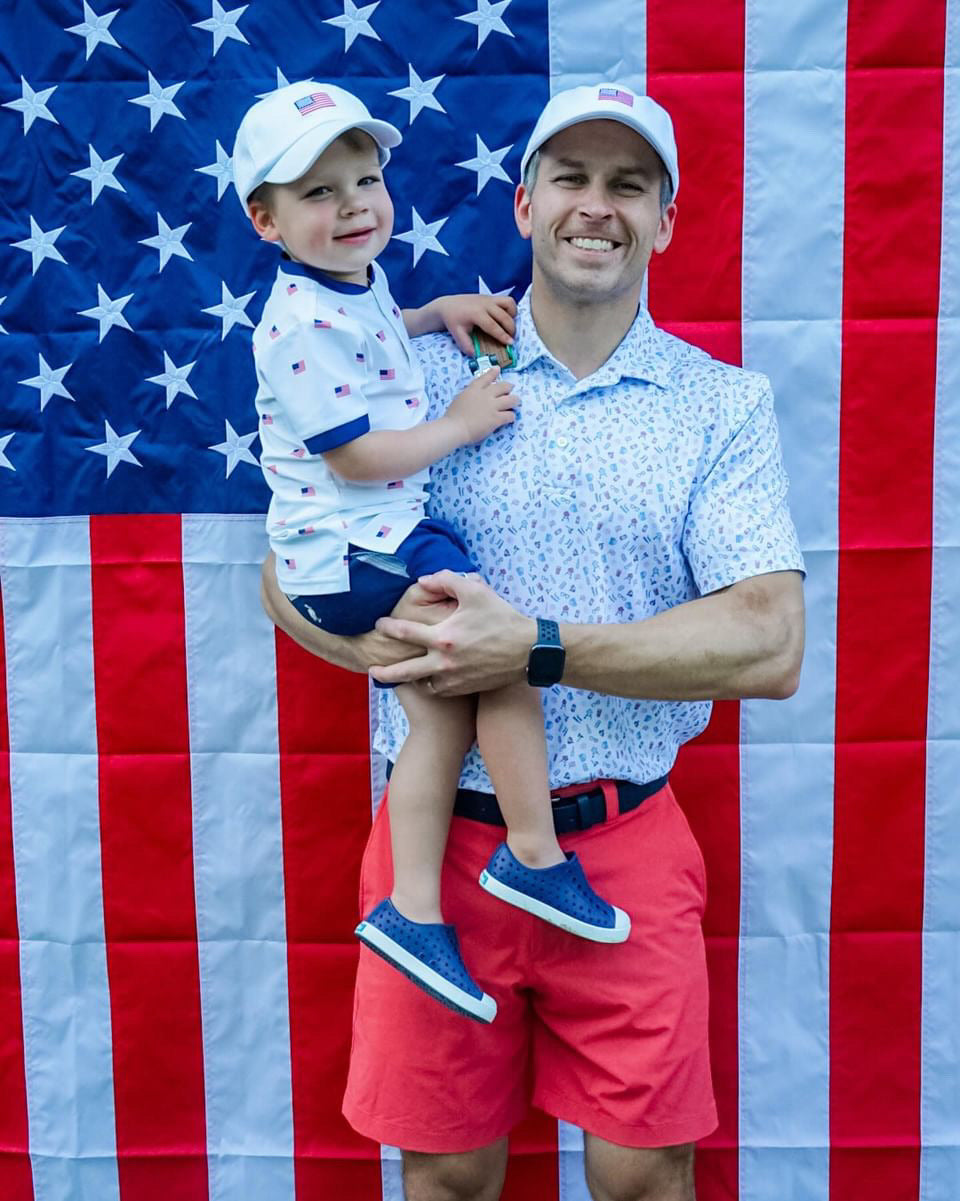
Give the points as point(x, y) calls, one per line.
point(185, 795)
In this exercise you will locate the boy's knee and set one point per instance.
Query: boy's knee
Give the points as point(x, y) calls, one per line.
point(467, 1176)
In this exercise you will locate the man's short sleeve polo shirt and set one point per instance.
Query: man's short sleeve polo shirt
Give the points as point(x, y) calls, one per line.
point(654, 480)
point(333, 362)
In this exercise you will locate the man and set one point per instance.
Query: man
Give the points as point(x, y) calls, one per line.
point(639, 502)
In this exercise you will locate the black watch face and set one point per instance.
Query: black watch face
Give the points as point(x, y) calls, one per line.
point(546, 665)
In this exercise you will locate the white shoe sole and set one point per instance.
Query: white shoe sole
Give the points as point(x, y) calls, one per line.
point(481, 1009)
point(556, 917)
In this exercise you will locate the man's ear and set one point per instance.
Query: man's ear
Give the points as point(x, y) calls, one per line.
point(665, 232)
point(262, 220)
point(521, 211)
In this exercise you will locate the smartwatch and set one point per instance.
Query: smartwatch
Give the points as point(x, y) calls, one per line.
point(547, 656)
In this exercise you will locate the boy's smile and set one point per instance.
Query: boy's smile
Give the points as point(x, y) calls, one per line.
point(338, 216)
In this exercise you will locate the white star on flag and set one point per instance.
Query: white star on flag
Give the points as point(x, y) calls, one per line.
point(223, 25)
point(116, 448)
point(108, 313)
point(354, 23)
point(95, 29)
point(100, 174)
point(4, 461)
point(419, 93)
point(236, 448)
point(174, 379)
point(48, 381)
point(485, 291)
point(168, 241)
point(230, 310)
point(221, 170)
point(282, 82)
point(159, 100)
point(487, 19)
point(41, 244)
point(33, 104)
point(423, 236)
point(2, 330)
point(487, 164)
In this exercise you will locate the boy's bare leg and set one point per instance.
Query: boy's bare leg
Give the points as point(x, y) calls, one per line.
point(422, 790)
point(424, 782)
point(514, 748)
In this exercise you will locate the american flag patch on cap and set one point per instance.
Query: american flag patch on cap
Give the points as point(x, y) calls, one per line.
point(616, 94)
point(310, 104)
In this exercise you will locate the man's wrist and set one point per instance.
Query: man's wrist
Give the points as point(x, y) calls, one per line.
point(547, 656)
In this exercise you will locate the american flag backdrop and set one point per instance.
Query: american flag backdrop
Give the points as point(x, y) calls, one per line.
point(184, 794)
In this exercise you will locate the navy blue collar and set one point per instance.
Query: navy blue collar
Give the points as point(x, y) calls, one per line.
point(289, 267)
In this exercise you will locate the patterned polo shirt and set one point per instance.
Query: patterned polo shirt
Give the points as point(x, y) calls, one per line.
point(651, 482)
point(333, 361)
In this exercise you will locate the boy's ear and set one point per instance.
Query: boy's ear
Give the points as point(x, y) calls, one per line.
point(262, 220)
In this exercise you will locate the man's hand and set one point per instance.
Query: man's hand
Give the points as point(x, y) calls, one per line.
point(362, 651)
point(460, 313)
point(483, 644)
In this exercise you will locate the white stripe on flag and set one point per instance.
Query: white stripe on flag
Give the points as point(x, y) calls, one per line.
point(584, 43)
point(940, 1049)
point(238, 861)
point(56, 829)
point(792, 304)
point(587, 40)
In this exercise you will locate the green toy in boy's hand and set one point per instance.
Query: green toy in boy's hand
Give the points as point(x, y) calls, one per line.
point(487, 353)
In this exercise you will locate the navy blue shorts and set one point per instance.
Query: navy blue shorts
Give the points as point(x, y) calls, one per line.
point(377, 581)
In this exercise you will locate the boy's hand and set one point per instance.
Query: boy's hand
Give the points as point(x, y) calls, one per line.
point(482, 407)
point(460, 313)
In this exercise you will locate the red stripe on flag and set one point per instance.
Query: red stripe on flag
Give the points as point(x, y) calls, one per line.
point(16, 1177)
point(147, 856)
point(695, 62)
point(894, 122)
point(325, 799)
point(532, 1166)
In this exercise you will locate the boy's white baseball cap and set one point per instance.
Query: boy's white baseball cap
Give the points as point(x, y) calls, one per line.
point(282, 136)
point(612, 102)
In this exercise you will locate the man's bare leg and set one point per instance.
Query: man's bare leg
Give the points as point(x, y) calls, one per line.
point(616, 1173)
point(466, 1176)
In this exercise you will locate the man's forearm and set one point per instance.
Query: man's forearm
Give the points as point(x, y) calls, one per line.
point(745, 641)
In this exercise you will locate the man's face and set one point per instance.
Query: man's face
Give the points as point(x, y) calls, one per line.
point(338, 216)
point(593, 215)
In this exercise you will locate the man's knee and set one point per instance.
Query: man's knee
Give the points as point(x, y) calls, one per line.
point(617, 1173)
point(466, 1176)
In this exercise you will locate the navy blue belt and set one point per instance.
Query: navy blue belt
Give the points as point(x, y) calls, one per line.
point(570, 813)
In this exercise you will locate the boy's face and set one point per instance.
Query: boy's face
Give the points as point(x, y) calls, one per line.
point(338, 216)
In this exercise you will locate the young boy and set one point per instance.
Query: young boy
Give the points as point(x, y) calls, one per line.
point(346, 452)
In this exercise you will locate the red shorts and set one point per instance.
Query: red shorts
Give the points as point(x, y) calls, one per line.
point(610, 1038)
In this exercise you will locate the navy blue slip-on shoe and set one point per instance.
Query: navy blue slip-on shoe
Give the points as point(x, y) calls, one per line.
point(560, 895)
point(427, 953)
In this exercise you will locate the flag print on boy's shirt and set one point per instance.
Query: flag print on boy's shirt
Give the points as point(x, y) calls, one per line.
point(360, 375)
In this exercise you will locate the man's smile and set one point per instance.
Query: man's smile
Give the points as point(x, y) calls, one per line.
point(603, 245)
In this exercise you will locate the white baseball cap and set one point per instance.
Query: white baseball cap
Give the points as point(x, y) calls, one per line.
point(283, 135)
point(611, 102)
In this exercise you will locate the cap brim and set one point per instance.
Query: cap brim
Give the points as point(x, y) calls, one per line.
point(306, 150)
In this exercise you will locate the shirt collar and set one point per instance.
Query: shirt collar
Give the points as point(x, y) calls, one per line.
point(640, 355)
point(290, 267)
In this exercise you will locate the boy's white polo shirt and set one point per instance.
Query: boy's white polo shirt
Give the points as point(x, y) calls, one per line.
point(333, 361)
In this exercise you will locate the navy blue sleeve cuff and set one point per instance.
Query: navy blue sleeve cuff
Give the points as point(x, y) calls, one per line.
point(340, 436)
